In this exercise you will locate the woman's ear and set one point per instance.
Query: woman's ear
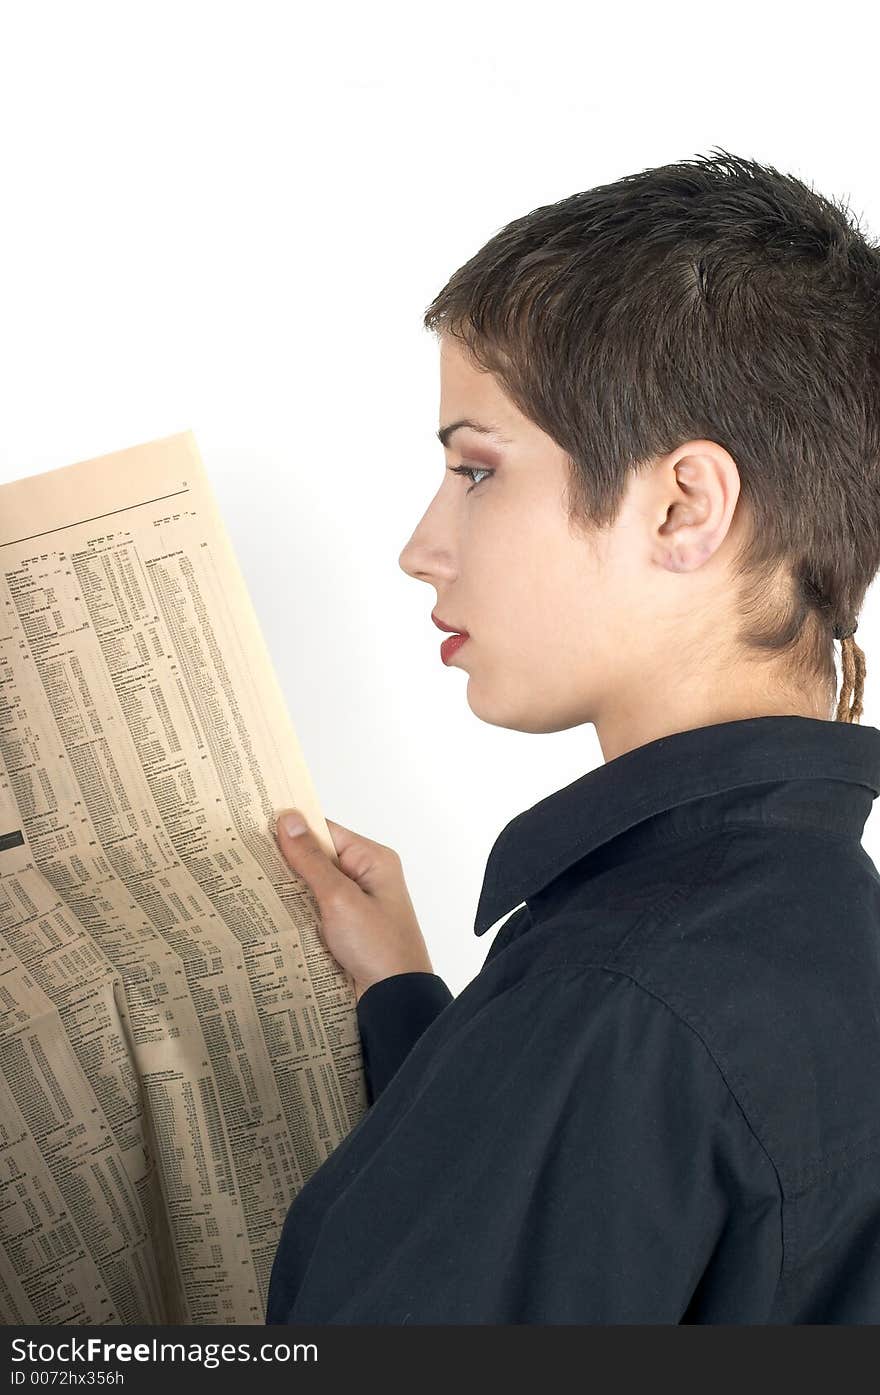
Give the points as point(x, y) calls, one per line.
point(700, 487)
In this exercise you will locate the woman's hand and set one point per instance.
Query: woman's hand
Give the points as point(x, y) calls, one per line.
point(367, 919)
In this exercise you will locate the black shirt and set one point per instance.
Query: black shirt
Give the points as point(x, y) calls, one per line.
point(659, 1099)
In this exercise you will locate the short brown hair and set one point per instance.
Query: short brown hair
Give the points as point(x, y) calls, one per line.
point(713, 298)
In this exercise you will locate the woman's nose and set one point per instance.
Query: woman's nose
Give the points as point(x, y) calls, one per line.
point(418, 560)
point(426, 556)
point(429, 553)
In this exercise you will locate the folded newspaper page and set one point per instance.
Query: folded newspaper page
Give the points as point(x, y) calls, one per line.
point(178, 1048)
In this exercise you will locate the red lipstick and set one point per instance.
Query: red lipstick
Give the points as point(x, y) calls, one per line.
point(454, 643)
point(451, 646)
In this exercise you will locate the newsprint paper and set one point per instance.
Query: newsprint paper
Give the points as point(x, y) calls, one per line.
point(178, 1048)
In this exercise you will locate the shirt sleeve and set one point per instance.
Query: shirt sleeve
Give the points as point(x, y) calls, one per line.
point(392, 1014)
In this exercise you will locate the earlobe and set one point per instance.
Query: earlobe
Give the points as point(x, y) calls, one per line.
point(694, 492)
point(689, 545)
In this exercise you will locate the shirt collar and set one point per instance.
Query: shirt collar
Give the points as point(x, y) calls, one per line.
point(657, 779)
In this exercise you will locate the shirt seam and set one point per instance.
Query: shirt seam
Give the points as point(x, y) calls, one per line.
point(828, 1161)
point(622, 973)
point(651, 923)
point(751, 824)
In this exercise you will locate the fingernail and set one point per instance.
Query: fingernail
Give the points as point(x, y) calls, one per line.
point(292, 823)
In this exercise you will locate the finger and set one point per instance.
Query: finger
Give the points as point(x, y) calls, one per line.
point(306, 856)
point(345, 838)
point(372, 865)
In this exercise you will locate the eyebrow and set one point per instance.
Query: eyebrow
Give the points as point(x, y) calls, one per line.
point(445, 432)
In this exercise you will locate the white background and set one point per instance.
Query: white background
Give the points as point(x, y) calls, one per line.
point(230, 218)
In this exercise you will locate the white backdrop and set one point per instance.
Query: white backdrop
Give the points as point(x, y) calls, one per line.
point(230, 217)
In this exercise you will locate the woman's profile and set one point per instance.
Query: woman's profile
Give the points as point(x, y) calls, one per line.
point(659, 512)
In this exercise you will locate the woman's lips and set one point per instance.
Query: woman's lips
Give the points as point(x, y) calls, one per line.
point(451, 646)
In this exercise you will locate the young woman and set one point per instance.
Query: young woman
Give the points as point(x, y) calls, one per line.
point(658, 1100)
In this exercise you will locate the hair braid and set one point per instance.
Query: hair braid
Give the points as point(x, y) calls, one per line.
point(853, 681)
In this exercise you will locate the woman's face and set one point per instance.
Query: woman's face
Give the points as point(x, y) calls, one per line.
point(563, 629)
point(541, 615)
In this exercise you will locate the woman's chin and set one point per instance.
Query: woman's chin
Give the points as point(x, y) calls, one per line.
point(499, 711)
point(523, 712)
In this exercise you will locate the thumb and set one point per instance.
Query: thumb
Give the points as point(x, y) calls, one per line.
point(301, 850)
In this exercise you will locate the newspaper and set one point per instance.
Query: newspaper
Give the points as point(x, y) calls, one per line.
point(178, 1049)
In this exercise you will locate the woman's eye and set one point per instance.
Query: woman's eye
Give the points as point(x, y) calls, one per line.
point(470, 470)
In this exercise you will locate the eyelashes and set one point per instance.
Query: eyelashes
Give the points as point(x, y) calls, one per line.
point(470, 470)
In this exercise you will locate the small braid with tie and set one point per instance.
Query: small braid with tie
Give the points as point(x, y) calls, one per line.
point(853, 682)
